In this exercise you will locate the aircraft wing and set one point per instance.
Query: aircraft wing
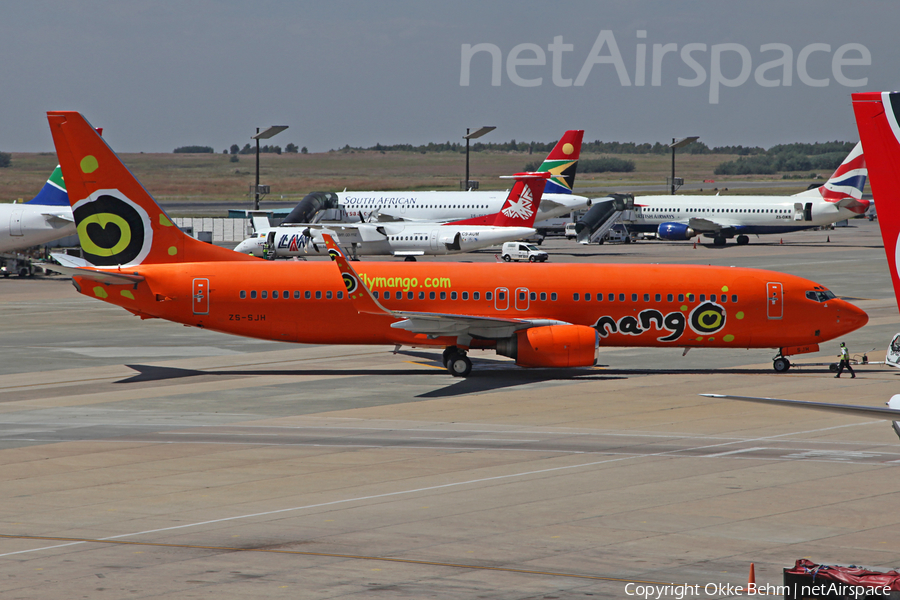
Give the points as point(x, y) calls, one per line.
point(704, 225)
point(431, 324)
point(874, 412)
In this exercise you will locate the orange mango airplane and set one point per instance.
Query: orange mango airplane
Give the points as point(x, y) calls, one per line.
point(542, 315)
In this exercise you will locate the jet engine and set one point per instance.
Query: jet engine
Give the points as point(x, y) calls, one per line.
point(551, 346)
point(675, 232)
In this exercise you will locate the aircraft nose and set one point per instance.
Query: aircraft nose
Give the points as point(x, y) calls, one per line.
point(851, 317)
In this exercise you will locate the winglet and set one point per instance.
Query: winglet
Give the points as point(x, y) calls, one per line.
point(357, 290)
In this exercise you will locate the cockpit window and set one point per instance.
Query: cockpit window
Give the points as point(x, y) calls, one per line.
point(820, 296)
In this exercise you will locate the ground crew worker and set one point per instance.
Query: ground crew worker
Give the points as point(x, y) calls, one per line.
point(845, 362)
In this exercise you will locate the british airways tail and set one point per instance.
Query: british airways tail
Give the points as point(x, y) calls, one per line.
point(54, 191)
point(562, 163)
point(118, 222)
point(520, 207)
point(845, 187)
point(878, 120)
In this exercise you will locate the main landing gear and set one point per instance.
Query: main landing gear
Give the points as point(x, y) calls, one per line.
point(456, 361)
point(718, 241)
point(780, 363)
point(743, 240)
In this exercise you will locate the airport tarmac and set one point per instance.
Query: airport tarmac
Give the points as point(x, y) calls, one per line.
point(144, 459)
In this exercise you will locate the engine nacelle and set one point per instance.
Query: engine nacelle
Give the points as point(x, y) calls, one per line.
point(551, 346)
point(674, 232)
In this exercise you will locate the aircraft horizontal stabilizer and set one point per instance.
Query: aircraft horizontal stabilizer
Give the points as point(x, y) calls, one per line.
point(107, 277)
point(887, 414)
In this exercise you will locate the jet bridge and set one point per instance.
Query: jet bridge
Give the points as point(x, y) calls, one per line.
point(604, 213)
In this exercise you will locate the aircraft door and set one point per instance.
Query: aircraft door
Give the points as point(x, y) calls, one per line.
point(774, 300)
point(200, 294)
point(501, 298)
point(807, 212)
point(15, 222)
point(798, 211)
point(521, 298)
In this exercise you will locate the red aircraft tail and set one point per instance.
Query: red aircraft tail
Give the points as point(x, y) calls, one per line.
point(878, 120)
point(521, 206)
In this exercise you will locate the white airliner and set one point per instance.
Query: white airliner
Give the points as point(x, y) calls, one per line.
point(411, 239)
point(723, 217)
point(558, 200)
point(44, 218)
point(879, 127)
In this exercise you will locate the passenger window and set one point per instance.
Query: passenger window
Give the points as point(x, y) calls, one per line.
point(724, 298)
point(681, 297)
point(421, 295)
point(375, 294)
point(575, 297)
point(587, 297)
point(670, 297)
point(274, 294)
point(634, 297)
point(243, 294)
point(318, 295)
point(533, 296)
point(443, 295)
point(340, 295)
point(621, 297)
point(410, 295)
point(264, 294)
point(431, 295)
point(285, 294)
point(501, 295)
point(543, 295)
point(453, 295)
point(646, 297)
point(328, 295)
point(690, 297)
point(734, 297)
point(599, 297)
point(253, 294)
point(476, 295)
point(465, 295)
point(307, 294)
point(659, 297)
point(398, 295)
point(297, 295)
point(553, 296)
point(612, 297)
point(702, 297)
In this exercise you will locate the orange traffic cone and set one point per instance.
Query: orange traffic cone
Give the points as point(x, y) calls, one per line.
point(695, 244)
point(782, 240)
point(751, 580)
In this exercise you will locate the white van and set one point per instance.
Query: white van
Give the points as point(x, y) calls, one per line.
point(571, 234)
point(522, 251)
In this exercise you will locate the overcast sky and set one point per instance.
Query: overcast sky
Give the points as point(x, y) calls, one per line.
point(159, 74)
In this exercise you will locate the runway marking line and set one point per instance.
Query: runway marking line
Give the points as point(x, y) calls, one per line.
point(331, 555)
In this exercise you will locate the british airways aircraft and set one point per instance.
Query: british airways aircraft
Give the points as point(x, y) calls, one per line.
point(558, 199)
point(724, 217)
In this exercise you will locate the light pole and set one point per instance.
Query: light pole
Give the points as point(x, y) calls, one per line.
point(679, 143)
point(270, 132)
point(471, 136)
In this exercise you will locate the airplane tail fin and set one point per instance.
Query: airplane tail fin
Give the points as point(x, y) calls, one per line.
point(118, 222)
point(521, 206)
point(54, 191)
point(845, 187)
point(562, 163)
point(878, 120)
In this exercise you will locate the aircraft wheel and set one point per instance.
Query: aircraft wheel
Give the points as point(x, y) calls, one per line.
point(459, 365)
point(781, 365)
point(506, 258)
point(532, 259)
point(743, 240)
point(23, 272)
point(448, 352)
point(410, 259)
point(719, 241)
